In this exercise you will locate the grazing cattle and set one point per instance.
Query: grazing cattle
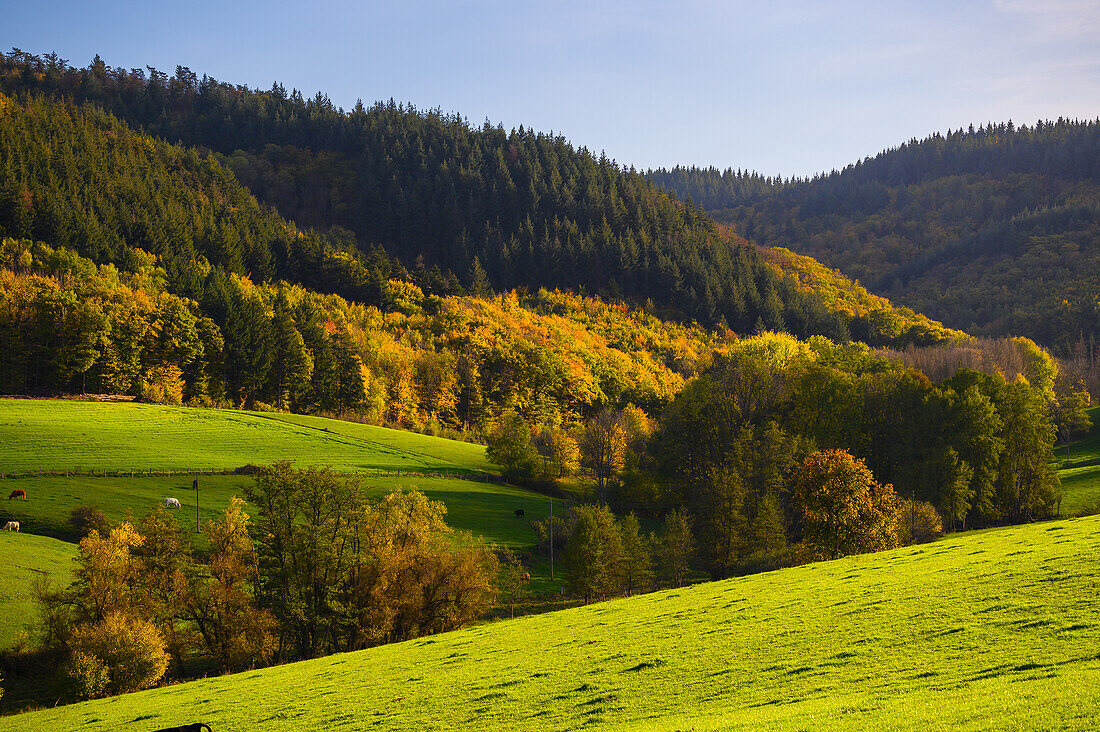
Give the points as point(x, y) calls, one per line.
point(171, 503)
point(519, 513)
point(526, 576)
point(197, 727)
point(17, 493)
point(11, 526)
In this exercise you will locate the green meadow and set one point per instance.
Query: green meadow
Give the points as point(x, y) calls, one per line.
point(1081, 478)
point(486, 509)
point(79, 437)
point(61, 435)
point(982, 630)
point(25, 558)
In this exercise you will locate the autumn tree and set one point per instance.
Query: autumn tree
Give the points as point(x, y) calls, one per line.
point(511, 448)
point(107, 572)
point(413, 575)
point(116, 655)
point(603, 448)
point(220, 595)
point(559, 451)
point(841, 508)
point(165, 562)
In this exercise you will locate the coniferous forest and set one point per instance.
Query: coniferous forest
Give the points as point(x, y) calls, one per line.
point(994, 230)
point(460, 206)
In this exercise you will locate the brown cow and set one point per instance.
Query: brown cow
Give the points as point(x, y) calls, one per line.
point(17, 493)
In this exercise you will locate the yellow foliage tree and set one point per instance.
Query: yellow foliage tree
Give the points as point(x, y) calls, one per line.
point(842, 509)
point(117, 655)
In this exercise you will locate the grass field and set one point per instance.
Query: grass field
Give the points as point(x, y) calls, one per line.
point(487, 509)
point(984, 630)
point(45, 435)
point(23, 559)
point(1081, 482)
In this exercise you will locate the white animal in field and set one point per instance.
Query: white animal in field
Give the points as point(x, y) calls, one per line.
point(11, 526)
point(171, 503)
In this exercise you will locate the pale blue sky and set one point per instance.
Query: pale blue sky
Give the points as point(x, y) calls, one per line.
point(786, 88)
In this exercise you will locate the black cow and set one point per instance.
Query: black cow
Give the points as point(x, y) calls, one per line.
point(197, 727)
point(519, 513)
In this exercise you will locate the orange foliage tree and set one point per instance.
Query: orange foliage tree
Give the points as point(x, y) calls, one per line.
point(842, 509)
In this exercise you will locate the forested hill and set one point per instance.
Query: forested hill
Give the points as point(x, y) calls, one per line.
point(464, 208)
point(995, 230)
point(79, 178)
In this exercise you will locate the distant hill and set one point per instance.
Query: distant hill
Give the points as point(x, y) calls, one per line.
point(995, 230)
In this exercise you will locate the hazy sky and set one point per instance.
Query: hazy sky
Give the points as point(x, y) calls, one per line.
point(788, 88)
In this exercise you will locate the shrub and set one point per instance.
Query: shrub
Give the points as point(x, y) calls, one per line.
point(917, 522)
point(85, 676)
point(85, 519)
point(129, 650)
point(162, 385)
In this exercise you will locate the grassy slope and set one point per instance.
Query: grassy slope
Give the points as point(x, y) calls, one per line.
point(24, 558)
point(481, 508)
point(64, 435)
point(1081, 484)
point(40, 434)
point(985, 630)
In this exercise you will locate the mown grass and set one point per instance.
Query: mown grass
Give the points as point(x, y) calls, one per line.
point(23, 559)
point(985, 630)
point(60, 435)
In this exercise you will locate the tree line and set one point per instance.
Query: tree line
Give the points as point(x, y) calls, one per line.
point(433, 364)
point(747, 445)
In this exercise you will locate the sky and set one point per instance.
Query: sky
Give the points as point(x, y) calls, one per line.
point(785, 88)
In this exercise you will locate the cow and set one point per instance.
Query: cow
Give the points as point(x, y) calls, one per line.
point(197, 727)
point(519, 513)
point(171, 503)
point(17, 493)
point(526, 576)
point(11, 526)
